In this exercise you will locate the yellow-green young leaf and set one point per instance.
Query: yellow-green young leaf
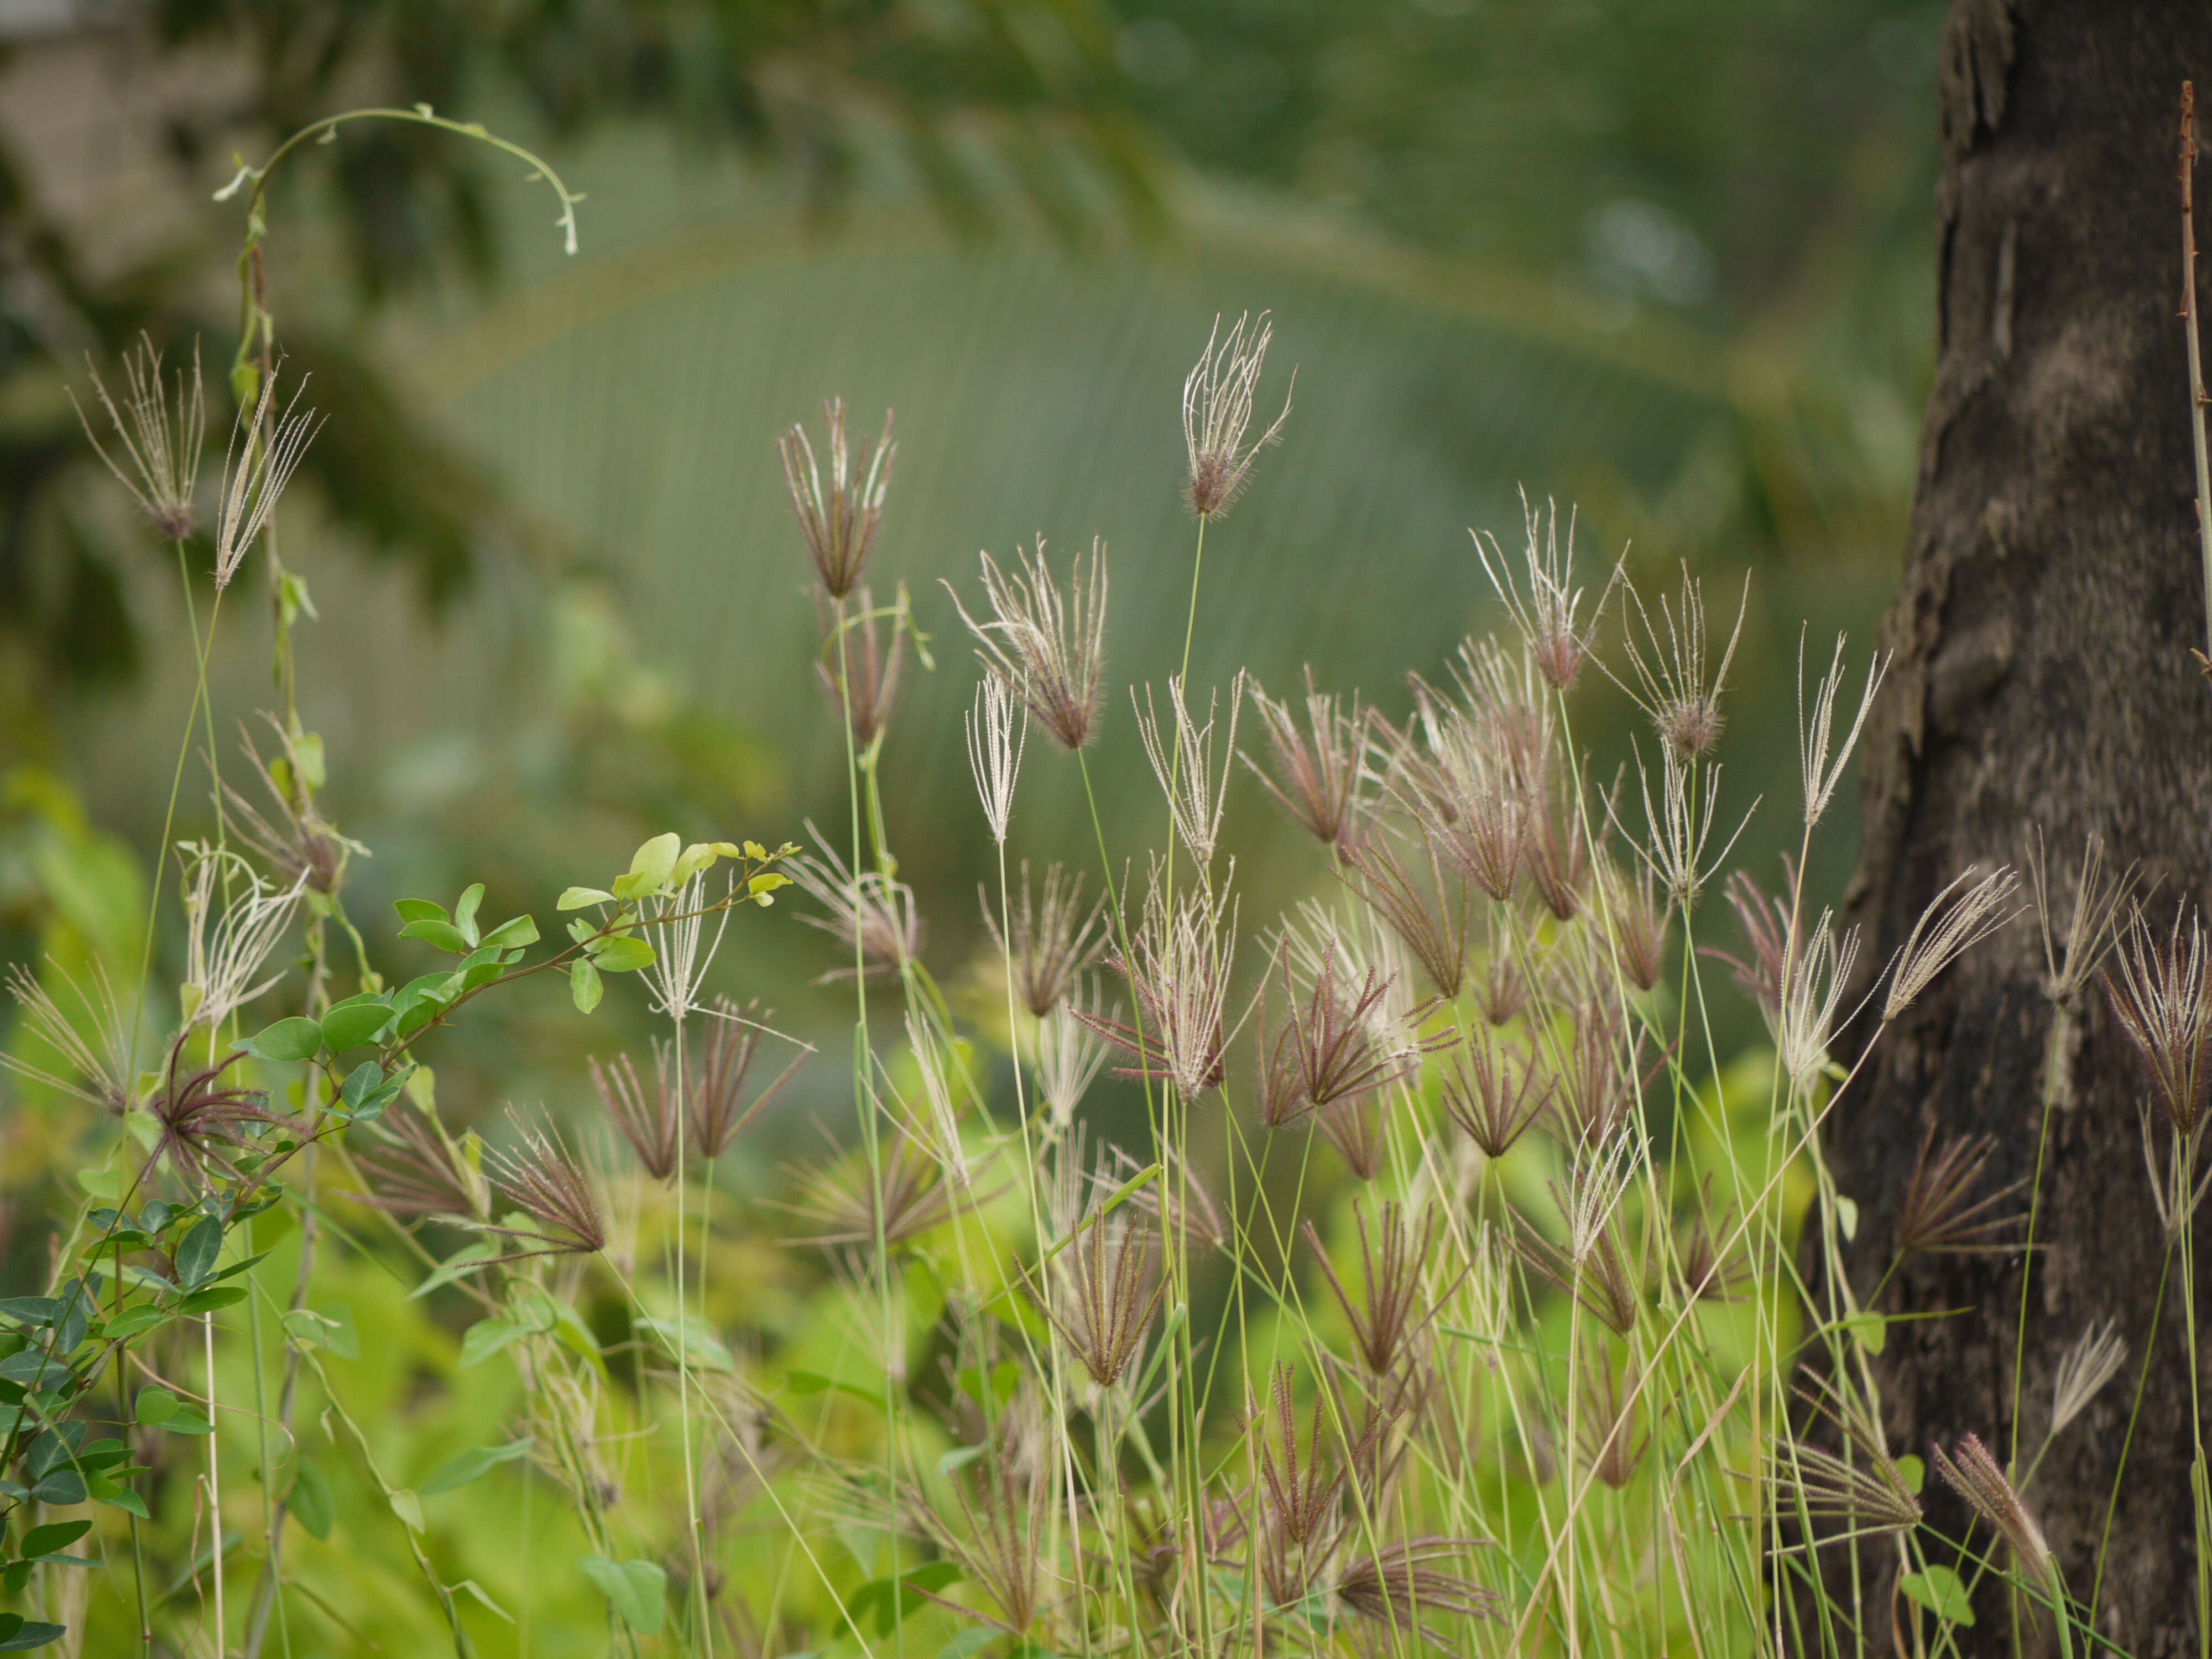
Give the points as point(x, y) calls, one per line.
point(767, 882)
point(584, 986)
point(697, 857)
point(409, 1507)
point(1913, 1470)
point(308, 745)
point(1847, 1216)
point(520, 930)
point(155, 1407)
point(464, 913)
point(649, 869)
point(296, 1039)
point(310, 1500)
point(1938, 1590)
point(576, 898)
point(484, 1338)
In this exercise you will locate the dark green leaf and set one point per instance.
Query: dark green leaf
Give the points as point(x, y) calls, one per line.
point(310, 1500)
point(29, 1634)
point(360, 1083)
point(53, 1536)
point(131, 1321)
point(198, 1249)
point(30, 1309)
point(62, 1487)
point(213, 1297)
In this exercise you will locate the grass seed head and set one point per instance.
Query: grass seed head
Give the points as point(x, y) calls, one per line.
point(838, 520)
point(1975, 1475)
point(161, 441)
point(1052, 940)
point(1218, 396)
point(1049, 647)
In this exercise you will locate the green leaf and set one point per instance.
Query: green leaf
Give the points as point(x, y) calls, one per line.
point(409, 1507)
point(27, 1634)
point(363, 1080)
point(54, 1537)
point(621, 956)
point(310, 1500)
point(484, 1338)
point(473, 1465)
point(198, 1249)
point(354, 1022)
point(1938, 1590)
point(577, 898)
point(189, 1422)
point(636, 1590)
point(893, 1599)
point(419, 910)
point(813, 1383)
point(584, 986)
point(131, 1321)
point(443, 935)
point(124, 1499)
point(62, 1487)
point(155, 1407)
point(513, 931)
point(469, 1259)
point(1870, 1330)
point(213, 1297)
point(464, 913)
point(296, 1039)
point(1914, 1471)
point(31, 1309)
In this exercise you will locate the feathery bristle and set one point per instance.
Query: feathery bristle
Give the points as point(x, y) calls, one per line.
point(1052, 940)
point(1976, 1476)
point(1953, 923)
point(1939, 1215)
point(259, 463)
point(1316, 773)
point(550, 1187)
point(1049, 649)
point(160, 445)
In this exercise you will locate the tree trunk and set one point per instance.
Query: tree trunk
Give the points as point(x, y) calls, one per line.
point(2042, 631)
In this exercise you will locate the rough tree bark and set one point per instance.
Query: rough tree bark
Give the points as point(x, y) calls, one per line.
point(2050, 596)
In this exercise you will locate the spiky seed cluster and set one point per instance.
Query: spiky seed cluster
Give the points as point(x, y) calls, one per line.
point(1401, 1588)
point(1342, 1042)
point(1764, 920)
point(1180, 980)
point(2082, 1371)
point(229, 935)
point(160, 443)
point(1812, 992)
point(1298, 1496)
point(1866, 1489)
point(2092, 927)
point(872, 916)
point(201, 1118)
point(302, 848)
point(1049, 647)
point(2161, 999)
point(1388, 1321)
point(1976, 1476)
point(1822, 772)
point(1316, 772)
point(1068, 1055)
point(1940, 1214)
point(1605, 1429)
point(716, 1107)
point(1216, 409)
point(424, 1172)
point(259, 463)
point(1104, 1291)
point(1954, 922)
point(839, 520)
point(97, 1069)
point(1053, 939)
point(1638, 918)
point(1183, 761)
point(1546, 612)
point(1493, 1094)
point(853, 1212)
point(1669, 660)
point(998, 730)
point(546, 1182)
point(652, 1124)
point(1430, 920)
